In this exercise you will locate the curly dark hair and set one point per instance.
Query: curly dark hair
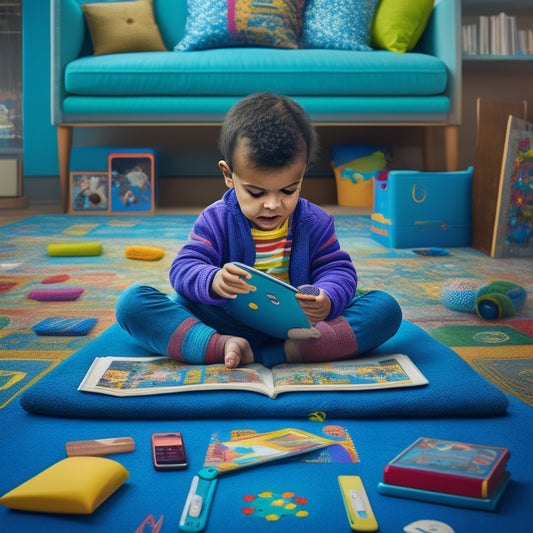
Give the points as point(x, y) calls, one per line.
point(277, 129)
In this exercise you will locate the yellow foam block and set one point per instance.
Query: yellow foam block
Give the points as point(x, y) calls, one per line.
point(71, 249)
point(75, 485)
point(146, 253)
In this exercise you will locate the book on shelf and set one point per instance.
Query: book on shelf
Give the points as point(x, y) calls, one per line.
point(449, 467)
point(497, 35)
point(137, 376)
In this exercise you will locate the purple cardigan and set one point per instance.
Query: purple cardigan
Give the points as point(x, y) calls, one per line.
point(222, 234)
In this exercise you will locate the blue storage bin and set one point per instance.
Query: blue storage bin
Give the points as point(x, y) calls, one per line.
point(423, 209)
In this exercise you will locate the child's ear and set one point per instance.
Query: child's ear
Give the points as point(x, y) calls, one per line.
point(226, 172)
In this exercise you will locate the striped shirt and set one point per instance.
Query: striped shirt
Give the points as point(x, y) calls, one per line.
point(273, 251)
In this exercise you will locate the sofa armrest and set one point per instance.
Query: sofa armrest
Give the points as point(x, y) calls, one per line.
point(442, 38)
point(66, 40)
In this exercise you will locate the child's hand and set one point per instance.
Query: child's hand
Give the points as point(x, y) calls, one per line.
point(315, 306)
point(228, 281)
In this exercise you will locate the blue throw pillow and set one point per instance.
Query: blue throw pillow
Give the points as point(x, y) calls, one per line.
point(338, 24)
point(225, 23)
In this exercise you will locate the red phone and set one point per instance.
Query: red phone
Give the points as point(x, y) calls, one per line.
point(168, 451)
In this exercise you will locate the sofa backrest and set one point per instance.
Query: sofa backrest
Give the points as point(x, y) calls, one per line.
point(171, 16)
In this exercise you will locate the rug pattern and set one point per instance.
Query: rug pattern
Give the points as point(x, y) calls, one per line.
point(414, 280)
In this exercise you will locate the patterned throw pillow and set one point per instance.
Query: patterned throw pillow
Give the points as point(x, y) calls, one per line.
point(338, 24)
point(225, 23)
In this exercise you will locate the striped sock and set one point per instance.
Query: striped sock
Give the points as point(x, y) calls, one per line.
point(195, 343)
point(337, 341)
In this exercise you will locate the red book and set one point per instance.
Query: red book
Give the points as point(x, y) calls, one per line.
point(448, 467)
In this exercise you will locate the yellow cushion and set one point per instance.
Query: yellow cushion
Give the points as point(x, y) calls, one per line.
point(399, 24)
point(76, 485)
point(72, 249)
point(118, 27)
point(146, 253)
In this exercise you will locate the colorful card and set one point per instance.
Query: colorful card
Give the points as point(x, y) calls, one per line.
point(263, 447)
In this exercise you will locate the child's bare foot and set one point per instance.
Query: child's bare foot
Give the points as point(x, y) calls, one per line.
point(237, 352)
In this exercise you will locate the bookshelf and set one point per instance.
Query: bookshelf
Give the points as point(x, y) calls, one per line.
point(11, 104)
point(497, 30)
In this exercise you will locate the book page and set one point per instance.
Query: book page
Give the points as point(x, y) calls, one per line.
point(379, 371)
point(137, 376)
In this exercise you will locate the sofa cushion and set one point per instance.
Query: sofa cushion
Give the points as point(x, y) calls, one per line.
point(399, 24)
point(342, 25)
point(117, 27)
point(223, 23)
point(231, 71)
point(199, 109)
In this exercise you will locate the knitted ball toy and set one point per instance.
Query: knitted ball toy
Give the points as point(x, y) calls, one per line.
point(460, 294)
point(499, 299)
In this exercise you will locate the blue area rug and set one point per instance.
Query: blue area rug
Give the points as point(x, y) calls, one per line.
point(454, 389)
point(163, 494)
point(32, 443)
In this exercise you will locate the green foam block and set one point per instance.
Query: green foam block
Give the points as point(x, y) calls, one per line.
point(75, 248)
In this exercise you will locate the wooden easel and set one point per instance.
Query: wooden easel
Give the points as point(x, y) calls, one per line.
point(492, 120)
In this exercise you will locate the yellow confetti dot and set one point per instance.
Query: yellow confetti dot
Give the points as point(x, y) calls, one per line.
point(278, 503)
point(290, 506)
point(265, 494)
point(302, 514)
point(272, 517)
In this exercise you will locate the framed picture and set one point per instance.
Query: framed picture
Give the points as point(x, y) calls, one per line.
point(89, 192)
point(132, 183)
point(513, 229)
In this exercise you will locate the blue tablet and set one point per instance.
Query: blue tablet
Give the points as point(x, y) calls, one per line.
point(272, 308)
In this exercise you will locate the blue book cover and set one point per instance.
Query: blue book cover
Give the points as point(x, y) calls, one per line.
point(485, 504)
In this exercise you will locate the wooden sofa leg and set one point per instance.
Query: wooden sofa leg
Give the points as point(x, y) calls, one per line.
point(64, 147)
point(451, 147)
point(429, 150)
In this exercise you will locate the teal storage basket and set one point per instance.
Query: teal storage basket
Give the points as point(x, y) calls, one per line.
point(423, 209)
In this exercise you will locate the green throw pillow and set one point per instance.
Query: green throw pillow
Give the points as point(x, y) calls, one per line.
point(118, 27)
point(399, 24)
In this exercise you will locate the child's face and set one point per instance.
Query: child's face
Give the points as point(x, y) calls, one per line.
point(267, 196)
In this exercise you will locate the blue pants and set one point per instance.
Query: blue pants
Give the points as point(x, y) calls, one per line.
point(152, 317)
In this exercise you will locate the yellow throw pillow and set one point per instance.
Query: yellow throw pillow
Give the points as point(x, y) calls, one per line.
point(399, 24)
point(76, 485)
point(118, 27)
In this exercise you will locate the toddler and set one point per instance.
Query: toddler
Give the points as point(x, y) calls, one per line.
point(267, 142)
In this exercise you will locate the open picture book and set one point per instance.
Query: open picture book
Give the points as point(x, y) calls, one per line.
point(137, 376)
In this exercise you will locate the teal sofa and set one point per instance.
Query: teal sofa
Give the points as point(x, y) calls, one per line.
point(417, 88)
